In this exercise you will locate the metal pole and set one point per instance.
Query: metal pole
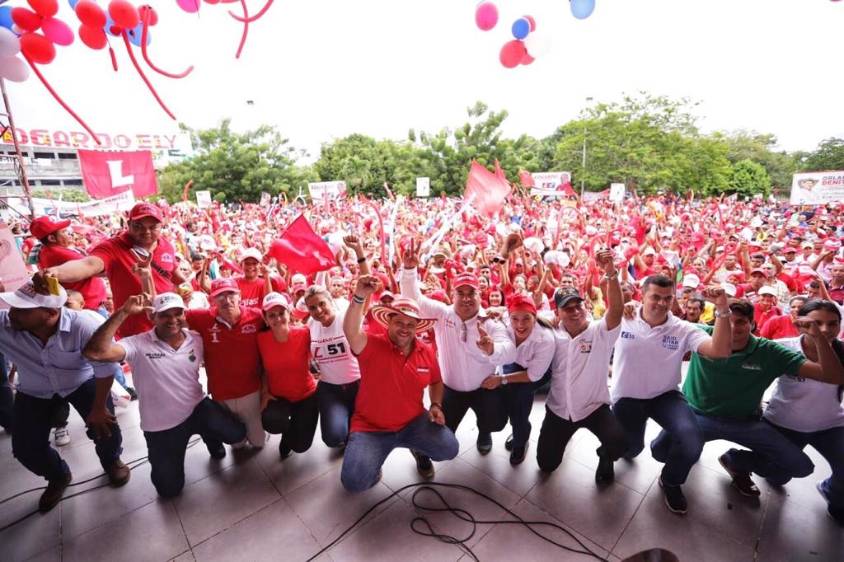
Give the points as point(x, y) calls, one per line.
point(583, 170)
point(18, 155)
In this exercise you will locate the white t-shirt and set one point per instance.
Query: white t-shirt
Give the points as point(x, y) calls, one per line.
point(330, 349)
point(648, 360)
point(804, 405)
point(536, 352)
point(167, 379)
point(579, 383)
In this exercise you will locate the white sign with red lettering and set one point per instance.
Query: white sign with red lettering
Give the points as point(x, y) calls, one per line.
point(817, 188)
point(550, 183)
point(327, 189)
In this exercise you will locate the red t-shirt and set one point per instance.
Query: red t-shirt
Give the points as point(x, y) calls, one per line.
point(779, 327)
point(286, 364)
point(760, 316)
point(252, 293)
point(93, 289)
point(118, 258)
point(231, 352)
point(392, 385)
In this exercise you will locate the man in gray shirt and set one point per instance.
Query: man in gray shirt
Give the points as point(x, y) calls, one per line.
point(45, 342)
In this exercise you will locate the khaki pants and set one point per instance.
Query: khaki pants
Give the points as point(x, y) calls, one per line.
point(248, 409)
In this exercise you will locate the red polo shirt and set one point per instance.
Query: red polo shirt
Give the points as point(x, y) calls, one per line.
point(392, 385)
point(252, 293)
point(119, 260)
point(286, 364)
point(231, 352)
point(93, 289)
point(779, 327)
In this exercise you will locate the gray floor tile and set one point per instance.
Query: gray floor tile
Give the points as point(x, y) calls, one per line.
point(792, 531)
point(52, 555)
point(298, 469)
point(184, 557)
point(34, 535)
point(151, 533)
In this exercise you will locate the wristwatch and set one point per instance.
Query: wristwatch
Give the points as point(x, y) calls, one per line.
point(504, 379)
point(723, 314)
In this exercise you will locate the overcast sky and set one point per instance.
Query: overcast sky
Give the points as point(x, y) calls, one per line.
point(321, 69)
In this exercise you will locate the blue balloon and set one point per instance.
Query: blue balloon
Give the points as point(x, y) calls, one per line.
point(521, 28)
point(582, 9)
point(109, 24)
point(136, 33)
point(6, 17)
point(73, 4)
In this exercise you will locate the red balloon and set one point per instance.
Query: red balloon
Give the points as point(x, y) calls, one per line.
point(532, 23)
point(37, 48)
point(45, 8)
point(89, 13)
point(512, 53)
point(123, 13)
point(527, 59)
point(93, 37)
point(148, 14)
point(26, 19)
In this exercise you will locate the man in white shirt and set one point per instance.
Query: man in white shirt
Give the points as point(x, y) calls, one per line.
point(165, 366)
point(579, 396)
point(646, 373)
point(469, 347)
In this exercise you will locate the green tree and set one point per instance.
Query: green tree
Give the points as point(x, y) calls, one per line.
point(237, 166)
point(761, 148)
point(749, 178)
point(70, 195)
point(828, 156)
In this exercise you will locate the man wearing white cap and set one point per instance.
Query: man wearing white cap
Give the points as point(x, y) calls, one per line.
point(165, 363)
point(395, 370)
point(256, 281)
point(45, 342)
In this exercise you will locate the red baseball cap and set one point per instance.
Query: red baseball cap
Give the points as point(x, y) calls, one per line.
point(521, 303)
point(142, 210)
point(464, 280)
point(42, 227)
point(224, 285)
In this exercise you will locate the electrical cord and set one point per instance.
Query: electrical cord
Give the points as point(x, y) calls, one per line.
point(428, 530)
point(133, 464)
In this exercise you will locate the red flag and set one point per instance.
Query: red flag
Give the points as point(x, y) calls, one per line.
point(526, 179)
point(567, 189)
point(487, 190)
point(186, 190)
point(301, 250)
point(109, 173)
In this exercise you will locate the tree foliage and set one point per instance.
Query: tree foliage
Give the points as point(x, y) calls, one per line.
point(749, 177)
point(828, 156)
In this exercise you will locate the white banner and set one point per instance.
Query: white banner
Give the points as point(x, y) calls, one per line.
point(327, 189)
point(108, 206)
point(617, 192)
point(265, 199)
point(817, 188)
point(12, 269)
point(423, 187)
point(550, 183)
point(203, 199)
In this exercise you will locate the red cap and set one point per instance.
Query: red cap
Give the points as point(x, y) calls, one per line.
point(223, 285)
point(42, 227)
point(465, 279)
point(521, 303)
point(142, 210)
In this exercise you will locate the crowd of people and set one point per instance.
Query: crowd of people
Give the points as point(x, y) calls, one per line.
point(596, 303)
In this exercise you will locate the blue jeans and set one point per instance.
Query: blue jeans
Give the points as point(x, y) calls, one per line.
point(167, 448)
point(367, 451)
point(771, 454)
point(518, 401)
point(678, 445)
point(830, 444)
point(6, 397)
point(35, 417)
point(336, 406)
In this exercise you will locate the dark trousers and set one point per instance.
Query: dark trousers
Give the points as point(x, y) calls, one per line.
point(681, 441)
point(488, 406)
point(830, 444)
point(7, 397)
point(166, 448)
point(556, 433)
point(336, 406)
point(35, 417)
point(295, 421)
point(518, 400)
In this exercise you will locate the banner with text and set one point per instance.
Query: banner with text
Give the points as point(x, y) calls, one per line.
point(203, 199)
point(817, 188)
point(551, 184)
point(327, 189)
point(423, 187)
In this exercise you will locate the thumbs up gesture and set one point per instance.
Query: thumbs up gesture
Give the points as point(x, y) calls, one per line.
point(484, 342)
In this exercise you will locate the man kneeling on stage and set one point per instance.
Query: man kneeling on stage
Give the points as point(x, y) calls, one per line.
point(395, 368)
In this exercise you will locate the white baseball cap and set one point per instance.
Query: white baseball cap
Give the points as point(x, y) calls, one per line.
point(26, 297)
point(253, 253)
point(271, 300)
point(729, 289)
point(166, 301)
point(766, 290)
point(691, 281)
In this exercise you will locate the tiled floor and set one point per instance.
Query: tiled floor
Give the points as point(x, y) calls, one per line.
point(259, 508)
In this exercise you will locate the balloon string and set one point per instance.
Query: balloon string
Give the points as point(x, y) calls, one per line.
point(245, 29)
point(60, 100)
point(144, 34)
point(143, 76)
point(256, 17)
point(113, 57)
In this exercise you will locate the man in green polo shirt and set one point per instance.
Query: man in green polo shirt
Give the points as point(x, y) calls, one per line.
point(726, 394)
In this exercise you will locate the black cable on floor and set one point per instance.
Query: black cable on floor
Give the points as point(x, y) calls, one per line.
point(133, 464)
point(429, 531)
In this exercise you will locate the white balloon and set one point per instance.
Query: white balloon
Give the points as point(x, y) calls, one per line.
point(10, 45)
point(534, 244)
point(13, 69)
point(538, 44)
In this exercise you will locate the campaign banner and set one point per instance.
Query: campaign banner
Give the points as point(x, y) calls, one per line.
point(617, 192)
point(105, 174)
point(550, 184)
point(423, 187)
point(79, 139)
point(108, 206)
point(266, 198)
point(817, 188)
point(203, 199)
point(327, 189)
point(13, 272)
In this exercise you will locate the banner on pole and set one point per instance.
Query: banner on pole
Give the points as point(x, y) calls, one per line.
point(423, 187)
point(817, 188)
point(203, 199)
point(617, 192)
point(550, 184)
point(105, 174)
point(327, 189)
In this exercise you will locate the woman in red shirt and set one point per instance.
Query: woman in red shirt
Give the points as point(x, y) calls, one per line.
point(288, 393)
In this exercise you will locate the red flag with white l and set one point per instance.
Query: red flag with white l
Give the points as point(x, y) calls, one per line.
point(486, 191)
point(108, 173)
point(301, 250)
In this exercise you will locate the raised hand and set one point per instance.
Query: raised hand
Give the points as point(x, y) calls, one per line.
point(366, 285)
point(604, 260)
point(513, 241)
point(410, 257)
point(485, 343)
point(808, 326)
point(353, 242)
point(718, 296)
point(137, 304)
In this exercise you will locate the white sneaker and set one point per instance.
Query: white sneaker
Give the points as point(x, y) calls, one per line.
point(61, 436)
